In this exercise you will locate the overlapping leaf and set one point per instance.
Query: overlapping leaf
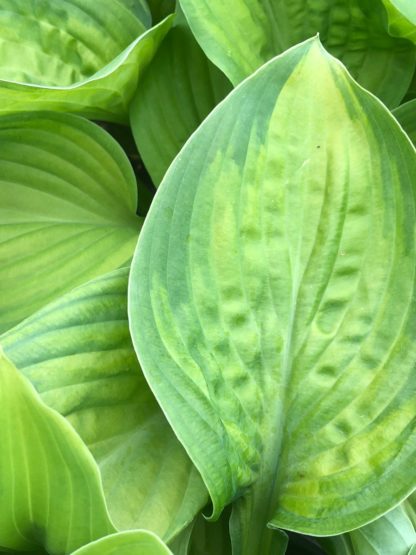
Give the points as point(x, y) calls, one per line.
point(406, 116)
point(401, 18)
point(50, 489)
point(391, 534)
point(178, 91)
point(137, 542)
point(77, 352)
point(67, 209)
point(272, 302)
point(161, 9)
point(240, 35)
point(77, 56)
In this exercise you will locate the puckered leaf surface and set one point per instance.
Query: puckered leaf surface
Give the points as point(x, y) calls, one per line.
point(240, 35)
point(68, 199)
point(77, 353)
point(50, 488)
point(79, 56)
point(272, 302)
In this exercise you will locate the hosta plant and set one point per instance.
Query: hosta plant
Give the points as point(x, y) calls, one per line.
point(208, 268)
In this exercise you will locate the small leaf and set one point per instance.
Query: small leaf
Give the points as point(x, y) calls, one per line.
point(240, 35)
point(78, 56)
point(50, 489)
point(77, 353)
point(180, 88)
point(273, 284)
point(135, 542)
point(67, 209)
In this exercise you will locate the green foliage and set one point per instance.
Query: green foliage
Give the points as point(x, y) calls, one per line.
point(138, 542)
point(227, 368)
point(279, 369)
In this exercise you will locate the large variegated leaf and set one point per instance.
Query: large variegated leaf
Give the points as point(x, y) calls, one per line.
point(77, 352)
point(401, 18)
point(135, 542)
point(406, 116)
point(67, 209)
point(272, 302)
point(77, 56)
point(240, 35)
point(50, 489)
point(178, 91)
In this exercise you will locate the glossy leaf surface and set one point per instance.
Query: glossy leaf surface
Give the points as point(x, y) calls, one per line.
point(77, 353)
point(135, 542)
point(67, 209)
point(50, 489)
point(240, 35)
point(75, 55)
point(178, 91)
point(264, 301)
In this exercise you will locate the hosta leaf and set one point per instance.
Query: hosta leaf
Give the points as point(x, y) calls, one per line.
point(211, 537)
point(67, 209)
point(77, 352)
point(77, 56)
point(50, 489)
point(410, 506)
point(161, 9)
point(391, 534)
point(272, 301)
point(178, 91)
point(401, 18)
point(406, 116)
point(139, 8)
point(259, 29)
point(411, 92)
point(135, 542)
point(180, 544)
